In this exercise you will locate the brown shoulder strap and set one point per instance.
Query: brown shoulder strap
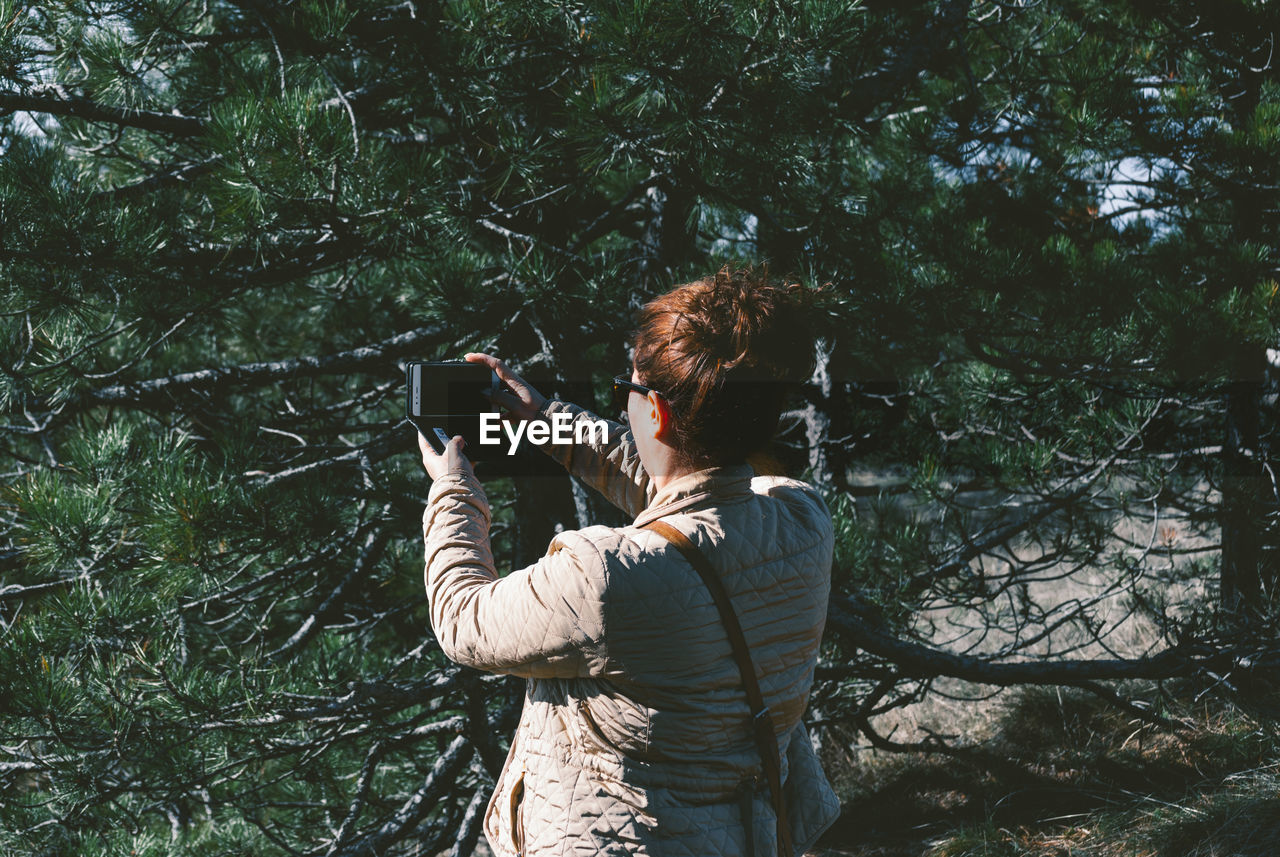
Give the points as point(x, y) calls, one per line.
point(761, 718)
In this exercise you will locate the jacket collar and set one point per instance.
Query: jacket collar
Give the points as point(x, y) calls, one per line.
point(715, 484)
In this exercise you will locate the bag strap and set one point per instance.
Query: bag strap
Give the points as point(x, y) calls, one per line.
point(761, 718)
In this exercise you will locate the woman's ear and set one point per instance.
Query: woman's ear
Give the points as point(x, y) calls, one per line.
point(662, 417)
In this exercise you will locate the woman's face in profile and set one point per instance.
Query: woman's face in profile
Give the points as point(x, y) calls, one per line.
point(635, 403)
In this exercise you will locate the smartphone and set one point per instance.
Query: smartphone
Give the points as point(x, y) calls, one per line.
point(446, 398)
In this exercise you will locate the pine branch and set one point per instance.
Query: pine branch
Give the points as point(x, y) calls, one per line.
point(234, 267)
point(60, 103)
point(311, 626)
point(472, 821)
point(914, 660)
point(442, 777)
point(141, 393)
point(363, 457)
point(175, 176)
point(361, 795)
point(377, 695)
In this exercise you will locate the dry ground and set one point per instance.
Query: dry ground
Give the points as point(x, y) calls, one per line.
point(1053, 772)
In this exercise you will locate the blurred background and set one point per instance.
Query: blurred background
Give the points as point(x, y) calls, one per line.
point(1043, 414)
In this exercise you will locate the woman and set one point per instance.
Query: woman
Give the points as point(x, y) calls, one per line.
point(636, 736)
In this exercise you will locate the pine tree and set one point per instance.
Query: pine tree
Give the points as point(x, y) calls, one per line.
point(225, 225)
point(1066, 299)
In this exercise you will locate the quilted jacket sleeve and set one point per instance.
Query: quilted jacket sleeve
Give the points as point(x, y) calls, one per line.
point(543, 621)
point(611, 464)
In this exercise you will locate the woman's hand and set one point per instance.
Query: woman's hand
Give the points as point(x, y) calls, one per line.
point(521, 400)
point(453, 461)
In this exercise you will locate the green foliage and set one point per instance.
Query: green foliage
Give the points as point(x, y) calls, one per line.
point(1047, 233)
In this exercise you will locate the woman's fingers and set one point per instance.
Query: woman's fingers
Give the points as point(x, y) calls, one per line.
point(507, 399)
point(521, 399)
point(503, 371)
point(453, 456)
point(438, 464)
point(430, 458)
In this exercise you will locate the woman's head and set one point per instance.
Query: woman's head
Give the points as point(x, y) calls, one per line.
point(724, 351)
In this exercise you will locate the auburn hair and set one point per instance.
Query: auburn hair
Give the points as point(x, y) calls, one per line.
point(725, 351)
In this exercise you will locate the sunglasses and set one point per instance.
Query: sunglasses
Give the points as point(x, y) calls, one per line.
point(622, 390)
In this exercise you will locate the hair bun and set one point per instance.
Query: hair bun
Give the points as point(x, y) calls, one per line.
point(725, 350)
point(765, 329)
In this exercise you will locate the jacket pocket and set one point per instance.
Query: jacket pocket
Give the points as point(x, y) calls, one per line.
point(593, 729)
point(515, 815)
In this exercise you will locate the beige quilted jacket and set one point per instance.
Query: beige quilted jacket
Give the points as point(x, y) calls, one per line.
point(634, 736)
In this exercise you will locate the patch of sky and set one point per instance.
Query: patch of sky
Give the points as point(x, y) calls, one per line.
point(1127, 193)
point(728, 230)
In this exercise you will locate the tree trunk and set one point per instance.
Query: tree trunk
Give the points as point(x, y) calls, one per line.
point(1247, 579)
point(667, 241)
point(544, 506)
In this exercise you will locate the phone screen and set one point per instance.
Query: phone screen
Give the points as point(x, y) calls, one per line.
point(449, 389)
